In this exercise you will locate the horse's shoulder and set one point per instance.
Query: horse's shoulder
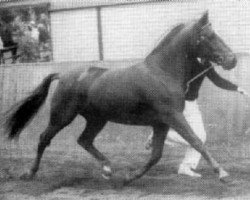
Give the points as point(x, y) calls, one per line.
point(161, 88)
point(138, 71)
point(167, 93)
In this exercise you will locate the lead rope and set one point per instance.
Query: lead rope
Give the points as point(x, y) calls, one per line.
point(197, 76)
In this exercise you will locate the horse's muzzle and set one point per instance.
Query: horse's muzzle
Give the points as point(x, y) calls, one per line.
point(228, 62)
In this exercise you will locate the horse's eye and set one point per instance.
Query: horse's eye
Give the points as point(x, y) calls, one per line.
point(202, 38)
point(211, 36)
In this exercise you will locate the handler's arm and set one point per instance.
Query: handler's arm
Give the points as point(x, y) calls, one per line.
point(221, 82)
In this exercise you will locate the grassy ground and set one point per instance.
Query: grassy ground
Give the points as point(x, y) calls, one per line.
point(68, 172)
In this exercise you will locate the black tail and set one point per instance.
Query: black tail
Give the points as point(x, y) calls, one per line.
point(18, 117)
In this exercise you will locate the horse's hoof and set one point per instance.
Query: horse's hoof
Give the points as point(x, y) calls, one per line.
point(226, 180)
point(128, 179)
point(5, 174)
point(126, 182)
point(222, 173)
point(107, 172)
point(117, 180)
point(106, 177)
point(26, 176)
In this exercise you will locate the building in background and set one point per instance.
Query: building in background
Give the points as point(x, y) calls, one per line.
point(85, 30)
point(27, 26)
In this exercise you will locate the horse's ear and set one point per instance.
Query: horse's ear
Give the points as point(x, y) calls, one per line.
point(204, 19)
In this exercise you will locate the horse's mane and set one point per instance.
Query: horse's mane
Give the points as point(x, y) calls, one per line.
point(168, 38)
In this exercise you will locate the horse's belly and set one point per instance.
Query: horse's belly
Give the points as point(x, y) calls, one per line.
point(133, 117)
point(123, 110)
point(132, 120)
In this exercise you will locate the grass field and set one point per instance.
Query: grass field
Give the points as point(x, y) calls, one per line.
point(68, 172)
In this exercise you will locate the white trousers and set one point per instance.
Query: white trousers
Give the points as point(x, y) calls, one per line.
point(194, 118)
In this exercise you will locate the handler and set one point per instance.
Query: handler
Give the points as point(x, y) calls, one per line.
point(194, 118)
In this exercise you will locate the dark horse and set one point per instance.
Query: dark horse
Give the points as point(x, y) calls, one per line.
point(150, 93)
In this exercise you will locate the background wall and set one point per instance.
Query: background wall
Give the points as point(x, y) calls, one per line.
point(131, 31)
point(74, 35)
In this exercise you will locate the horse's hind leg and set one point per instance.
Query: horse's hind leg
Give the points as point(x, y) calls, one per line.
point(45, 139)
point(86, 139)
point(61, 115)
point(159, 135)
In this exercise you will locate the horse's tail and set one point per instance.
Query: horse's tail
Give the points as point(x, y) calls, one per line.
point(18, 117)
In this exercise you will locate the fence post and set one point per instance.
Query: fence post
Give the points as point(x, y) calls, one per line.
point(99, 30)
point(1, 87)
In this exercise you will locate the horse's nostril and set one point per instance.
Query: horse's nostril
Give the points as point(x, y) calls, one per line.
point(219, 58)
point(234, 61)
point(232, 57)
point(231, 61)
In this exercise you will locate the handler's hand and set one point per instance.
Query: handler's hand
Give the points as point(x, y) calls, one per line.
point(242, 91)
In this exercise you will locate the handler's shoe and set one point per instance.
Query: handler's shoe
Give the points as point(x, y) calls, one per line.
point(185, 170)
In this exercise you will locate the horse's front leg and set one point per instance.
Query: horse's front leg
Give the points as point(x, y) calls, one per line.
point(177, 121)
point(159, 135)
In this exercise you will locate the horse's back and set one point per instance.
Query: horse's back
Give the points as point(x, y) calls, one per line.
point(133, 91)
point(74, 83)
point(119, 84)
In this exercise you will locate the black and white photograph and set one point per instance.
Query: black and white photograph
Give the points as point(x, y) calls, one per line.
point(124, 99)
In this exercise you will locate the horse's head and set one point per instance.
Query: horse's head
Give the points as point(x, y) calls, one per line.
point(206, 44)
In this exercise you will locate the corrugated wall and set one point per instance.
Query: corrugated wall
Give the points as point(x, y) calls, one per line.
point(74, 35)
point(132, 31)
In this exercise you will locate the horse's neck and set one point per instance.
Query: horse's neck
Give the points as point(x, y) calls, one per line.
point(170, 61)
point(191, 68)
